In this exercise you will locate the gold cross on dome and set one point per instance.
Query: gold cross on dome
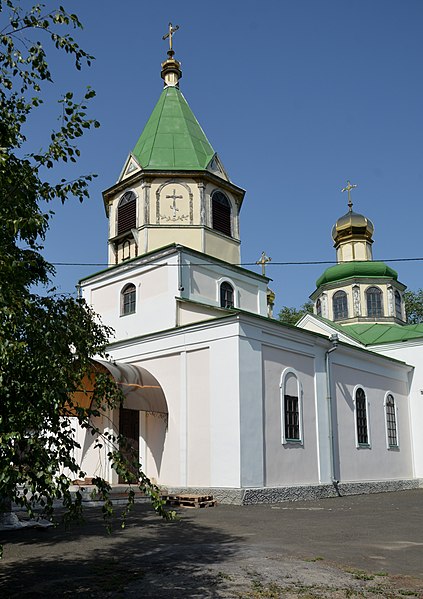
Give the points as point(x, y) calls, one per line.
point(348, 188)
point(263, 261)
point(170, 33)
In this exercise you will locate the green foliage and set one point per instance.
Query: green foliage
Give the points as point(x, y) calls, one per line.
point(293, 315)
point(414, 306)
point(46, 340)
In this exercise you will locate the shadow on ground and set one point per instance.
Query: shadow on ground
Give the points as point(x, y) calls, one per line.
point(157, 558)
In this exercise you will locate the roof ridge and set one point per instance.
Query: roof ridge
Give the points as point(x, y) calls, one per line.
point(163, 94)
point(181, 99)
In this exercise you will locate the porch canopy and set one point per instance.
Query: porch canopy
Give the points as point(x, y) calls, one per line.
point(141, 389)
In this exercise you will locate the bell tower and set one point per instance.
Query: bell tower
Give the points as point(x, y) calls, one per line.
point(173, 188)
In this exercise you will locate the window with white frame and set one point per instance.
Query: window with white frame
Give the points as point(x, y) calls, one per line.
point(291, 405)
point(391, 421)
point(361, 417)
point(128, 300)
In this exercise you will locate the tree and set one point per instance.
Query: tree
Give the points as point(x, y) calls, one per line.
point(292, 315)
point(46, 340)
point(414, 306)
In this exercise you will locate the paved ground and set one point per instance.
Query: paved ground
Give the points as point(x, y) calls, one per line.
point(361, 546)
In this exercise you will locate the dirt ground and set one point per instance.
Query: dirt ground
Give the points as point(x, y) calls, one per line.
point(362, 546)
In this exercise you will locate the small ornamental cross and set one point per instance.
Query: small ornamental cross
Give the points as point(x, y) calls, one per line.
point(170, 33)
point(348, 188)
point(174, 207)
point(263, 261)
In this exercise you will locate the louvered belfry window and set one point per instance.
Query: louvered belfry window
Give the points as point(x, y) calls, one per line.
point(127, 213)
point(221, 213)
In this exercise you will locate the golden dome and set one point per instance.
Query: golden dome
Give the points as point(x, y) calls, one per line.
point(351, 224)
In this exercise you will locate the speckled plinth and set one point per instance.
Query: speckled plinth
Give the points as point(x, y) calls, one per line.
point(299, 493)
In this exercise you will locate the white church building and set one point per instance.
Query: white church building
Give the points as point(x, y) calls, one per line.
point(220, 396)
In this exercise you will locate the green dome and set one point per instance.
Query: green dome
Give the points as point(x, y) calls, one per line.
point(346, 270)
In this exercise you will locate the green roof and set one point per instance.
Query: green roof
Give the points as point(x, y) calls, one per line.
point(172, 138)
point(374, 333)
point(347, 270)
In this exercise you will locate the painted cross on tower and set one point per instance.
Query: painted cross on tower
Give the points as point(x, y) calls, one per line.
point(174, 207)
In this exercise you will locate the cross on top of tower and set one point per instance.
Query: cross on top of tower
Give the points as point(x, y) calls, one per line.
point(169, 35)
point(348, 188)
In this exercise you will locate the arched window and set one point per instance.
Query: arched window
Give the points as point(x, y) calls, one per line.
point(374, 302)
point(398, 305)
point(361, 417)
point(128, 300)
point(221, 213)
point(319, 307)
point(226, 295)
point(340, 305)
point(291, 407)
point(391, 421)
point(127, 213)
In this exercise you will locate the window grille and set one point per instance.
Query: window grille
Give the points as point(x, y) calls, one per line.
point(221, 213)
point(292, 418)
point(391, 421)
point(361, 417)
point(226, 295)
point(340, 305)
point(374, 302)
point(128, 300)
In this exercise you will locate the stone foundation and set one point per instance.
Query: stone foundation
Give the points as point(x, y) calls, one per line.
point(299, 493)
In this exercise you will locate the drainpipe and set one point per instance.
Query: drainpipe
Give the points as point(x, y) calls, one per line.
point(180, 286)
point(334, 340)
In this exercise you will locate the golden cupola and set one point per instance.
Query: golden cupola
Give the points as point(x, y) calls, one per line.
point(353, 234)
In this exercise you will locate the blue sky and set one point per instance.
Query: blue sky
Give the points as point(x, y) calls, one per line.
point(295, 96)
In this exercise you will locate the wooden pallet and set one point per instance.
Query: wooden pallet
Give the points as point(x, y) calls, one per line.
point(189, 501)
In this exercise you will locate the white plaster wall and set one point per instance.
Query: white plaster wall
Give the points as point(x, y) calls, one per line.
point(251, 412)
point(412, 353)
point(92, 460)
point(198, 417)
point(156, 288)
point(202, 284)
point(375, 462)
point(198, 371)
point(290, 463)
point(225, 461)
